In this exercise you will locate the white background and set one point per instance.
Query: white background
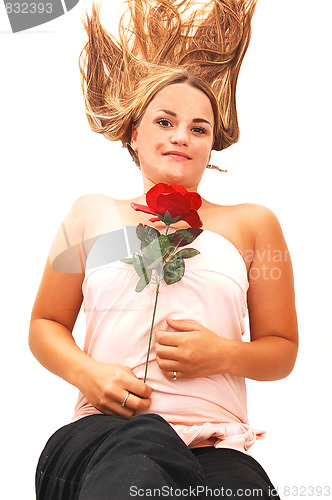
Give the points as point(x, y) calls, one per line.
point(49, 157)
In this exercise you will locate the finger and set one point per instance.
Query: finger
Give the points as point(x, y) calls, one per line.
point(136, 386)
point(168, 364)
point(123, 408)
point(167, 352)
point(185, 325)
point(123, 412)
point(168, 338)
point(134, 402)
point(124, 401)
point(174, 375)
point(114, 408)
point(139, 388)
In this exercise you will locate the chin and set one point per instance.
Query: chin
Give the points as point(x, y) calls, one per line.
point(179, 179)
point(183, 178)
point(178, 175)
point(173, 174)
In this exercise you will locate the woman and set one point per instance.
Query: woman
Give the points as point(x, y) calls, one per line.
point(185, 431)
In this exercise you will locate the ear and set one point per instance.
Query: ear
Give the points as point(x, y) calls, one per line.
point(134, 133)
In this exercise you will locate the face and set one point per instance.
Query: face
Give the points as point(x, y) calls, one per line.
point(175, 136)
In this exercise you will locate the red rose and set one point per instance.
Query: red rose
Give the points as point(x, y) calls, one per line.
point(176, 200)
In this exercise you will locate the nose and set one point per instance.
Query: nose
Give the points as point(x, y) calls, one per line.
point(180, 136)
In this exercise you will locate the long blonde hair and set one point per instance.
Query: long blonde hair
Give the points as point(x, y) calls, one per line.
point(164, 42)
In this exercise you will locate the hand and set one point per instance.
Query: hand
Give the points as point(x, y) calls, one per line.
point(106, 385)
point(193, 351)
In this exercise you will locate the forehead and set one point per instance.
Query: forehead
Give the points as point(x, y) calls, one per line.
point(184, 100)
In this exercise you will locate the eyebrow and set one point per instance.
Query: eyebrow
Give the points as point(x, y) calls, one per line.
point(195, 120)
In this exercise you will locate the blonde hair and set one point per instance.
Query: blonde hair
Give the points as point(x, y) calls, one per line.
point(164, 42)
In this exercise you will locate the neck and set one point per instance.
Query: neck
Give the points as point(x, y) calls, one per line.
point(148, 184)
point(142, 201)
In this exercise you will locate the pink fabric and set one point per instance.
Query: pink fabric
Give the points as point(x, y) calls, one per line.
point(212, 293)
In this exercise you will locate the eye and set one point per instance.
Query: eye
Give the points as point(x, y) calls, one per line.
point(199, 130)
point(164, 122)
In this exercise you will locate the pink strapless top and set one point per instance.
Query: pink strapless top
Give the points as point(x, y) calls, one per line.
point(212, 292)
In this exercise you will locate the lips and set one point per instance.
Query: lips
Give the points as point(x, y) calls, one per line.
point(177, 155)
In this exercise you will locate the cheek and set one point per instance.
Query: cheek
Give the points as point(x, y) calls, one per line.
point(148, 139)
point(204, 150)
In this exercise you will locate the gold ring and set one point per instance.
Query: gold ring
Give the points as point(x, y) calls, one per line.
point(123, 404)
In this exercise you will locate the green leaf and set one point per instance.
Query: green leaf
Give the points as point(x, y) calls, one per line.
point(127, 260)
point(164, 244)
point(146, 234)
point(138, 264)
point(157, 251)
point(151, 252)
point(141, 284)
point(186, 253)
point(140, 268)
point(173, 270)
point(155, 263)
point(183, 237)
point(159, 272)
point(175, 219)
point(167, 219)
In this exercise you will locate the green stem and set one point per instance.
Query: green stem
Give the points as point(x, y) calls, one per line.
point(154, 313)
point(153, 316)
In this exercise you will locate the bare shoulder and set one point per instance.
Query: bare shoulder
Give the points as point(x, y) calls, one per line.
point(250, 209)
point(255, 215)
point(94, 212)
point(265, 230)
point(247, 217)
point(263, 224)
point(254, 212)
point(84, 203)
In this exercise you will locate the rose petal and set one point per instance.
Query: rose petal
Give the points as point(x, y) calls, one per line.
point(142, 208)
point(175, 203)
point(192, 218)
point(195, 200)
point(179, 188)
point(176, 199)
point(152, 194)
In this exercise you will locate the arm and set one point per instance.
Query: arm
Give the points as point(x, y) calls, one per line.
point(271, 353)
point(53, 317)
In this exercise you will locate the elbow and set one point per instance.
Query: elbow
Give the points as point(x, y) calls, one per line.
point(293, 355)
point(289, 360)
point(283, 360)
point(32, 338)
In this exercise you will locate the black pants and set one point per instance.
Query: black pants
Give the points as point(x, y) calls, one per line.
point(101, 457)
